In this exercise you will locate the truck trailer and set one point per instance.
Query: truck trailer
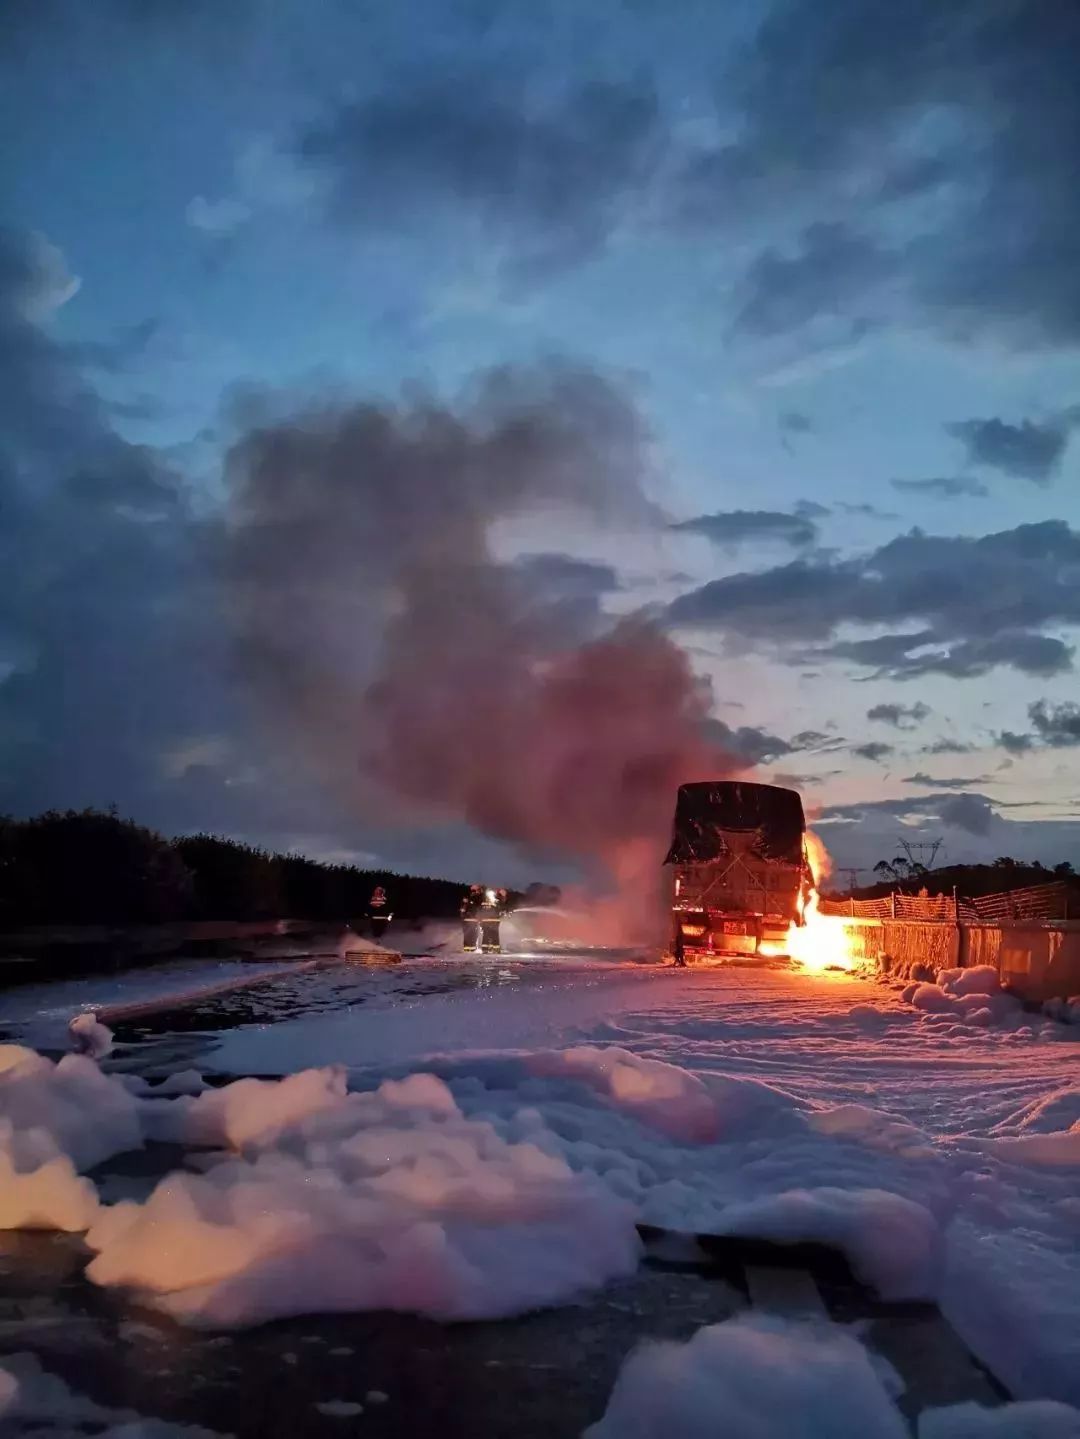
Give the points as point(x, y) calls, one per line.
point(738, 870)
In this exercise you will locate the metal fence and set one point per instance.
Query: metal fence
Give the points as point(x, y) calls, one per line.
point(1037, 901)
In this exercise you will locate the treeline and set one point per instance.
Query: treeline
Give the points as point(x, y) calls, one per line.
point(969, 880)
point(92, 867)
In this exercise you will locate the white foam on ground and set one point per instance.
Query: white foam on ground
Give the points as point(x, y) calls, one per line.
point(35, 1402)
point(390, 1200)
point(1037, 1419)
point(756, 1378)
point(759, 1102)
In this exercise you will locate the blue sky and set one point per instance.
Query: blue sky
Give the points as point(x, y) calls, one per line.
point(812, 256)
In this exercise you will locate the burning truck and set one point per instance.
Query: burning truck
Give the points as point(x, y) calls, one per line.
point(739, 869)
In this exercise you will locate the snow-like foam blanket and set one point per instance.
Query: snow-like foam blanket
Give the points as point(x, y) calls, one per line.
point(384, 1200)
point(55, 1120)
point(318, 1199)
point(34, 1402)
point(966, 996)
point(755, 1378)
point(763, 1378)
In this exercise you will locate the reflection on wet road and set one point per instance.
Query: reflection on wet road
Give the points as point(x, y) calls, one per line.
point(182, 1038)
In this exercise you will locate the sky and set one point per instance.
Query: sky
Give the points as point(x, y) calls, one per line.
point(333, 332)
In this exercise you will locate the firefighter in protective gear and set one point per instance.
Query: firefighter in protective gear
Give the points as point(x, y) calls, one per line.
point(470, 917)
point(491, 912)
point(379, 914)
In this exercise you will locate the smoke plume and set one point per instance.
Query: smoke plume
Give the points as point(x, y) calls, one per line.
point(380, 629)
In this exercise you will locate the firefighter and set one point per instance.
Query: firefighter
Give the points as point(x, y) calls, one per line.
point(379, 915)
point(491, 912)
point(470, 917)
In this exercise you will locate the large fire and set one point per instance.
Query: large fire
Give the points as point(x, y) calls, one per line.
point(821, 941)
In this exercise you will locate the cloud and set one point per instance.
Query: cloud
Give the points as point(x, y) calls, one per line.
point(783, 290)
point(972, 813)
point(899, 716)
point(730, 528)
point(758, 746)
point(34, 277)
point(1015, 743)
point(914, 130)
point(944, 487)
point(929, 781)
point(874, 750)
point(1028, 450)
point(794, 422)
point(980, 602)
point(905, 657)
point(266, 179)
point(948, 746)
point(217, 217)
point(1056, 725)
point(877, 152)
point(550, 174)
point(104, 591)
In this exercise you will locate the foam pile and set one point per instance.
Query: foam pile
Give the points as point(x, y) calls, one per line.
point(967, 997)
point(383, 1200)
point(56, 1120)
point(764, 1378)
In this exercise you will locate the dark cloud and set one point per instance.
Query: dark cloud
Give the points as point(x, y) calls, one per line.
point(874, 750)
point(731, 528)
point(1015, 743)
point(1027, 450)
point(928, 781)
point(948, 746)
point(1054, 725)
point(810, 509)
point(944, 487)
point(758, 746)
point(981, 601)
point(105, 605)
point(551, 175)
point(783, 290)
point(899, 716)
point(558, 571)
point(905, 657)
point(1057, 725)
point(921, 120)
point(972, 813)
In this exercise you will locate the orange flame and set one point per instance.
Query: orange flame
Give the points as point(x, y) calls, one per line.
point(821, 941)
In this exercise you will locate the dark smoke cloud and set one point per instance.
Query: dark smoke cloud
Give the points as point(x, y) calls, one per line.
point(381, 632)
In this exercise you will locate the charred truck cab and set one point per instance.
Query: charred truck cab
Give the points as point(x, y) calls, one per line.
point(738, 869)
